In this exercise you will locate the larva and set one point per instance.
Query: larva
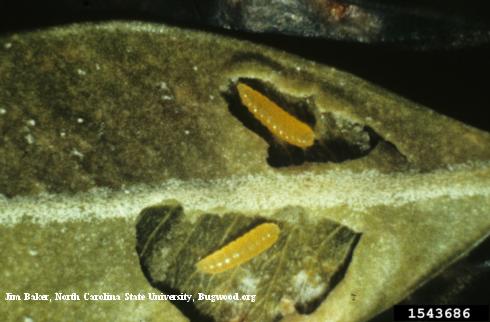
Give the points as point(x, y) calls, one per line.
point(279, 122)
point(241, 250)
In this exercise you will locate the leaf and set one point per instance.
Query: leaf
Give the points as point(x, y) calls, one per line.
point(299, 270)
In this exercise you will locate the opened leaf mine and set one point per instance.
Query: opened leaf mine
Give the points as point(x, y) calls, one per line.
point(298, 271)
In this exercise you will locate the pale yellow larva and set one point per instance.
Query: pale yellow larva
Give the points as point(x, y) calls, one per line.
point(279, 122)
point(241, 250)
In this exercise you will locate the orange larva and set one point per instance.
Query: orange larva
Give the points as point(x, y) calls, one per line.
point(241, 250)
point(279, 122)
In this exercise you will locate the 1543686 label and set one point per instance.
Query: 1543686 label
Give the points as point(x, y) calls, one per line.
point(441, 313)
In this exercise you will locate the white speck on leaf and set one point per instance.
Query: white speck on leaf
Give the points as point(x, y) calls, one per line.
point(77, 153)
point(163, 86)
point(29, 138)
